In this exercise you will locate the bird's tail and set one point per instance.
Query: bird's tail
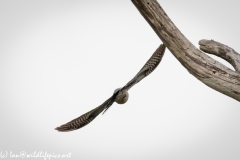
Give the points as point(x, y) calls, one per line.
point(109, 104)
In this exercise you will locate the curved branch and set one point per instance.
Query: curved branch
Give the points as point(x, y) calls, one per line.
point(203, 67)
point(222, 51)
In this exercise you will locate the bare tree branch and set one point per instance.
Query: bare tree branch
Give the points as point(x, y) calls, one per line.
point(222, 51)
point(203, 67)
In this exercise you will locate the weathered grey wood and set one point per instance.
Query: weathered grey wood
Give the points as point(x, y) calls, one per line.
point(203, 67)
point(222, 51)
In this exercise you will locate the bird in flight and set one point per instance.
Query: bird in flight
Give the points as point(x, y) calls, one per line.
point(120, 95)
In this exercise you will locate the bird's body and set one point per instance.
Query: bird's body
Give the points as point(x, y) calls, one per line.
point(119, 96)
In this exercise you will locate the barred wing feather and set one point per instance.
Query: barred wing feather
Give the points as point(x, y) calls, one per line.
point(85, 119)
point(148, 67)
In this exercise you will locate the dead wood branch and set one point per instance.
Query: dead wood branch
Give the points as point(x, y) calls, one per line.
point(222, 51)
point(203, 67)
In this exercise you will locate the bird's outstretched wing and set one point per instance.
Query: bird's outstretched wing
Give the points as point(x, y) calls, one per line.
point(86, 118)
point(149, 66)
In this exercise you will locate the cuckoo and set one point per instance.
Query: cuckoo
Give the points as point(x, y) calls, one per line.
point(120, 95)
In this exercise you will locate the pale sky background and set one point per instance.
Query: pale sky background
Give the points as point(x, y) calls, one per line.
point(62, 58)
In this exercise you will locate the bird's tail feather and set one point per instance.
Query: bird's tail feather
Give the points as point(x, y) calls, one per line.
point(110, 102)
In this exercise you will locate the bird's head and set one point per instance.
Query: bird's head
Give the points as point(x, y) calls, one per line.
point(122, 96)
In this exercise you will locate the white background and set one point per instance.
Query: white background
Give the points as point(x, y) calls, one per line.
point(60, 59)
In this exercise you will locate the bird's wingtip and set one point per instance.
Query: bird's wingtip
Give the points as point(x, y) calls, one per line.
point(59, 129)
point(64, 128)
